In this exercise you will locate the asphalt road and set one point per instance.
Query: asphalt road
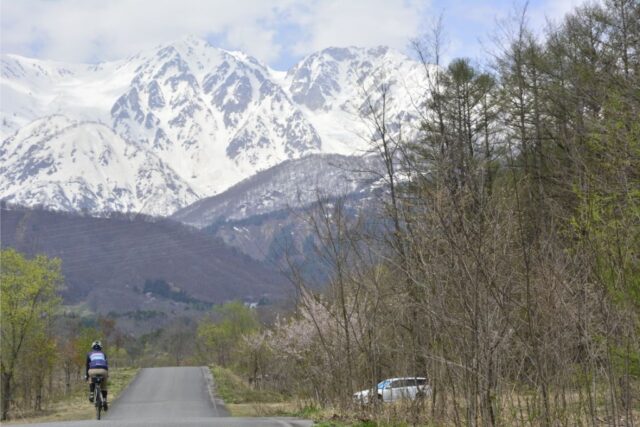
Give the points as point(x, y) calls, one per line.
point(174, 397)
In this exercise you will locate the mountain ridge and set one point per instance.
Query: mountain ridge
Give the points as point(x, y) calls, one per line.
point(107, 262)
point(290, 184)
point(210, 117)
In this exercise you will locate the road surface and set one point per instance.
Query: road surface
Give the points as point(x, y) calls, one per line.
point(173, 397)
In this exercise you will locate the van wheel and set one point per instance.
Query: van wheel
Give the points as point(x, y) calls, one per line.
point(379, 398)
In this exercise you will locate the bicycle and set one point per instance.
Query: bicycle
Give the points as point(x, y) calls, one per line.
point(97, 395)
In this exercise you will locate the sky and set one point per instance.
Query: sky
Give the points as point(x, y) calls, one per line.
point(277, 32)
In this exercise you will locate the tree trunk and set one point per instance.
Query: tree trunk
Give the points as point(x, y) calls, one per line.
point(6, 394)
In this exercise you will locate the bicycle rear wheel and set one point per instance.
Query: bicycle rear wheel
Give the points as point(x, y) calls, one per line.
point(98, 401)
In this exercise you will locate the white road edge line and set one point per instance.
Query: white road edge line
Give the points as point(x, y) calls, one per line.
point(208, 377)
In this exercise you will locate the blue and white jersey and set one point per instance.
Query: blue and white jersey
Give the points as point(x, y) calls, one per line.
point(97, 360)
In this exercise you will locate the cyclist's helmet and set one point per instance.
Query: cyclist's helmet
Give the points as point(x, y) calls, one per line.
point(97, 345)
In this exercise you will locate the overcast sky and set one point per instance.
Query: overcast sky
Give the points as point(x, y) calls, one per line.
point(278, 32)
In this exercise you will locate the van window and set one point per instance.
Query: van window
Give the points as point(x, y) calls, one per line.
point(383, 384)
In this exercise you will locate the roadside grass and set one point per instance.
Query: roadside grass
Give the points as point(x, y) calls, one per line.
point(234, 390)
point(243, 401)
point(76, 406)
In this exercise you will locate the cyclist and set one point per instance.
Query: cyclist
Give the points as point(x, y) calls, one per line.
point(97, 365)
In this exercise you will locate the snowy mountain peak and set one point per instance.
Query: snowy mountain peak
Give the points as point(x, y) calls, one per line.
point(331, 78)
point(177, 122)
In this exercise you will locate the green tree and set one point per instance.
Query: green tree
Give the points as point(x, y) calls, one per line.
point(222, 333)
point(29, 297)
point(607, 226)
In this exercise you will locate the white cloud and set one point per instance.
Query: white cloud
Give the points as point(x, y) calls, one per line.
point(360, 23)
point(96, 30)
point(258, 42)
point(81, 30)
point(274, 31)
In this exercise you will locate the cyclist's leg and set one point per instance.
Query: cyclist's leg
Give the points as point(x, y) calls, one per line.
point(104, 390)
point(105, 380)
point(92, 387)
point(92, 374)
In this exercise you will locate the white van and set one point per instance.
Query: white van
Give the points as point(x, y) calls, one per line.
point(393, 389)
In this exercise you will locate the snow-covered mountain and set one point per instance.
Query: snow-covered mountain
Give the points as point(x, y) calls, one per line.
point(291, 184)
point(56, 161)
point(338, 88)
point(267, 215)
point(181, 122)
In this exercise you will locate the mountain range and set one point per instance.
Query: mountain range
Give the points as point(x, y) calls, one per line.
point(184, 122)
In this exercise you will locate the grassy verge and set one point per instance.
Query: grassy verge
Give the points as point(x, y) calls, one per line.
point(76, 406)
point(234, 390)
point(244, 401)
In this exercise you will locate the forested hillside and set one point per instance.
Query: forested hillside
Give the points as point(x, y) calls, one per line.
point(120, 264)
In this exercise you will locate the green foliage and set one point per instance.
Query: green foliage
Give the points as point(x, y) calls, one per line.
point(29, 297)
point(29, 290)
point(233, 389)
point(118, 357)
point(119, 379)
point(222, 334)
point(607, 221)
point(309, 412)
point(625, 360)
